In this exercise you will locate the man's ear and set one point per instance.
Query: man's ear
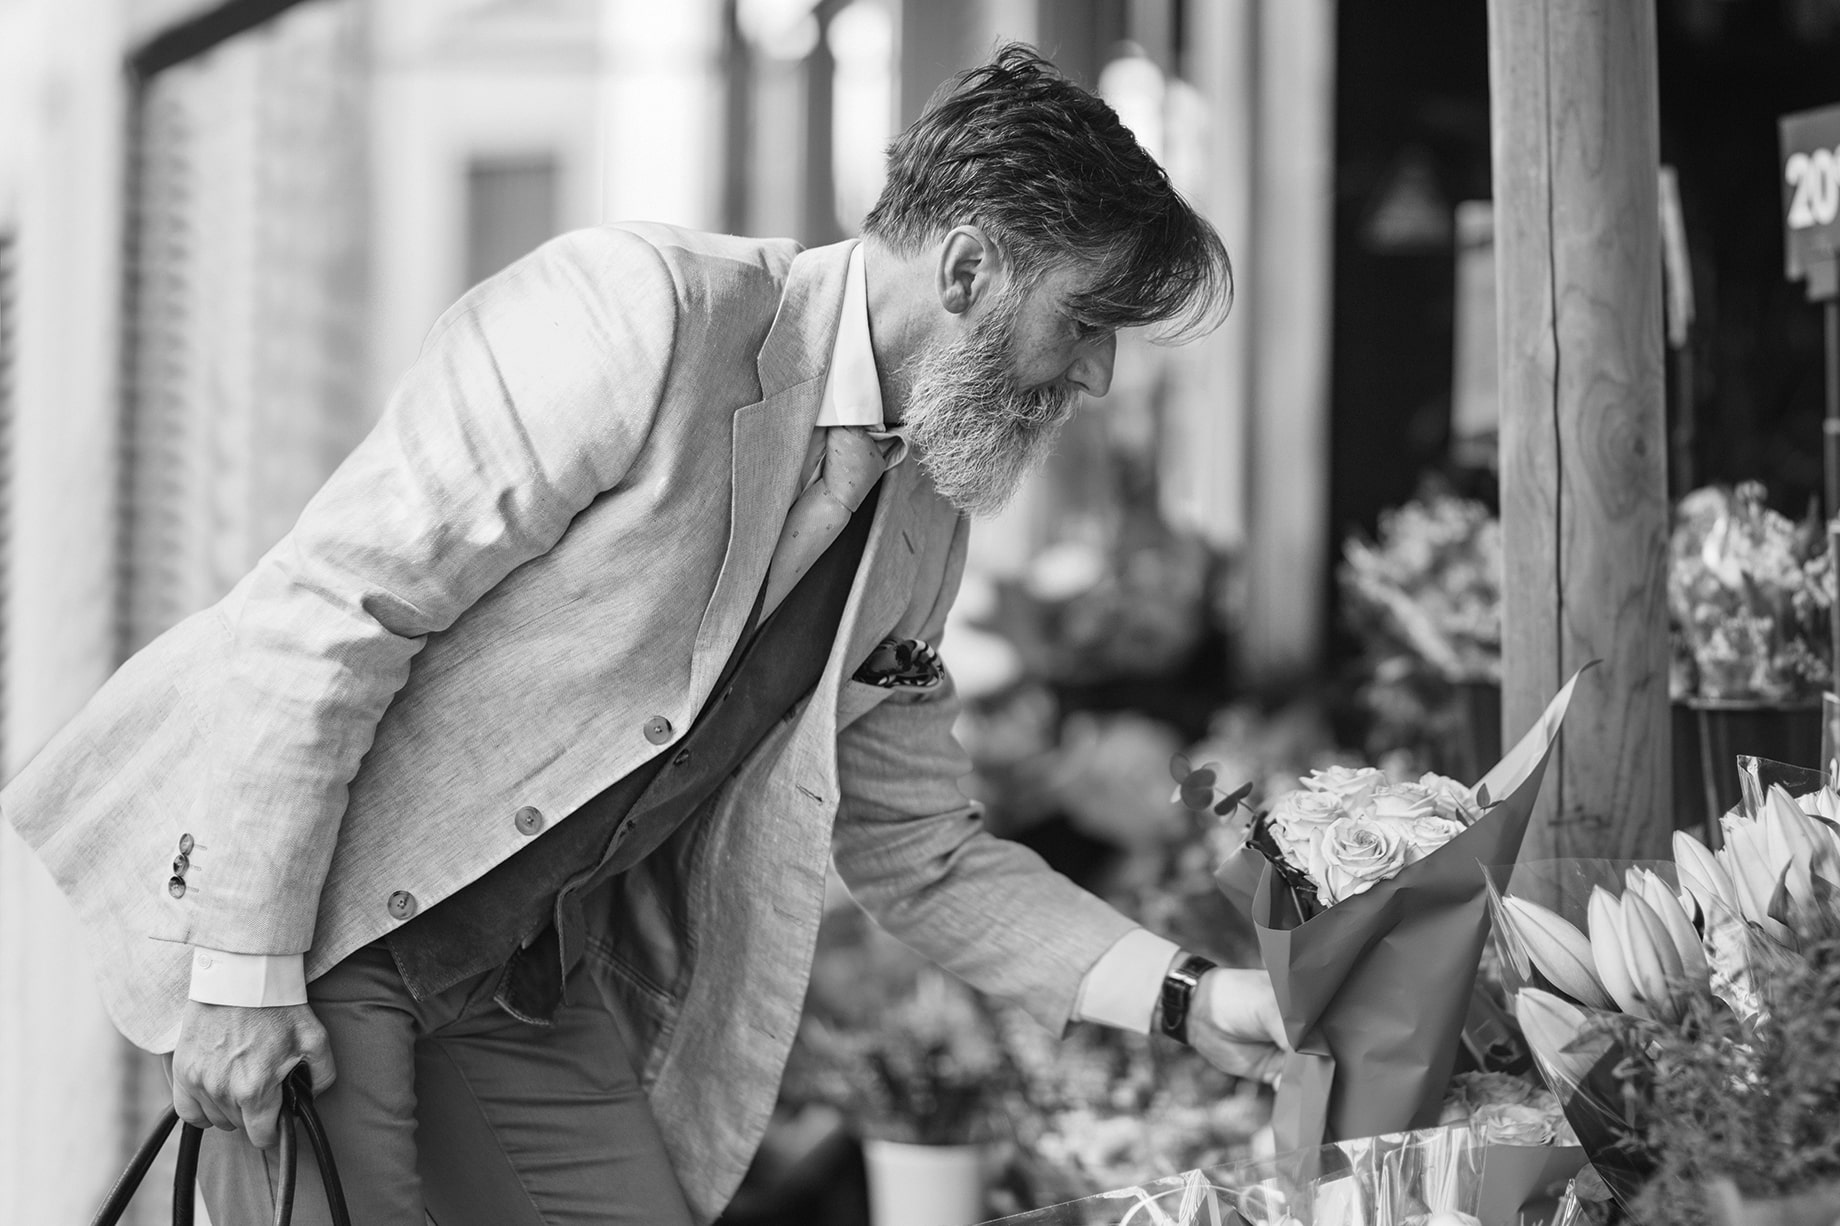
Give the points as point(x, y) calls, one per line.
point(970, 268)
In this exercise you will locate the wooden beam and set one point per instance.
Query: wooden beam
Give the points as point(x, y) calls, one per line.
point(1583, 428)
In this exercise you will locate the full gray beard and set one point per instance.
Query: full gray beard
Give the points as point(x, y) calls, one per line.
point(975, 432)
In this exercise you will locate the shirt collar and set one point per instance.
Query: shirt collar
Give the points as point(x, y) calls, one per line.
point(853, 389)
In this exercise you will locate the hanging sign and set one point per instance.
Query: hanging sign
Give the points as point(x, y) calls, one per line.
point(1811, 193)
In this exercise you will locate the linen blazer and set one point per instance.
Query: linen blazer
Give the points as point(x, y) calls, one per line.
point(552, 539)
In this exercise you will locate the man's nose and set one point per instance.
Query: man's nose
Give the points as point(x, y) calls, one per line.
point(1091, 371)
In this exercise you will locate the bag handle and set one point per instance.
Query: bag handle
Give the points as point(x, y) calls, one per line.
point(296, 1100)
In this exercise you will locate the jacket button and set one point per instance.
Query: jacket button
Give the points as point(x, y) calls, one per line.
point(176, 887)
point(402, 904)
point(658, 730)
point(186, 844)
point(181, 864)
point(528, 820)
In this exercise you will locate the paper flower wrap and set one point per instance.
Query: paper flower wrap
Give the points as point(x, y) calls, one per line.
point(1375, 988)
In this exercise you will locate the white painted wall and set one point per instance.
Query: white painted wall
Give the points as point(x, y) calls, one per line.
point(61, 1063)
point(447, 89)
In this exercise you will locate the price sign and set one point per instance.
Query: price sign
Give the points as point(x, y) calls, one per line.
point(1811, 191)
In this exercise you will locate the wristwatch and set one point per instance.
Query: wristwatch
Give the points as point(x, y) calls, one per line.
point(1179, 993)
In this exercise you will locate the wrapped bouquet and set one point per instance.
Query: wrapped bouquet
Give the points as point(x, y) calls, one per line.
point(1368, 906)
point(1688, 1014)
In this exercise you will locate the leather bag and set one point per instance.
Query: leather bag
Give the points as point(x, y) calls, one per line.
point(296, 1101)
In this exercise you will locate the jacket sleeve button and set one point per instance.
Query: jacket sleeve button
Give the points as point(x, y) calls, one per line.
point(658, 730)
point(186, 844)
point(402, 904)
point(180, 864)
point(528, 820)
point(176, 887)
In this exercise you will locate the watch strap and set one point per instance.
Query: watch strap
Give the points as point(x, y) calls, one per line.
point(1178, 994)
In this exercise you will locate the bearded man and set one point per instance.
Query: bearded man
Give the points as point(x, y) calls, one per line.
point(502, 791)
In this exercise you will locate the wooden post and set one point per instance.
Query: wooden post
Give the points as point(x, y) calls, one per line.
point(1583, 429)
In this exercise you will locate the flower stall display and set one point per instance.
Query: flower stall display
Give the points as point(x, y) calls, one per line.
point(1750, 598)
point(1102, 1108)
point(1432, 579)
point(1688, 1014)
point(1749, 593)
point(1423, 598)
point(1429, 1177)
point(1369, 913)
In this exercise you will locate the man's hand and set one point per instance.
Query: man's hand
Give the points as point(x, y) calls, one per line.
point(230, 1062)
point(1234, 1022)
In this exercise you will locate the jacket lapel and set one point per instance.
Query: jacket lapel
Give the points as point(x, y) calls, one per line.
point(768, 446)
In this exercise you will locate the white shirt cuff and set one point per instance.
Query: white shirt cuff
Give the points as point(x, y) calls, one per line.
point(249, 980)
point(1122, 986)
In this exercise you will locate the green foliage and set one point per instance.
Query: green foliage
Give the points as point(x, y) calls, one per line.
point(1755, 1102)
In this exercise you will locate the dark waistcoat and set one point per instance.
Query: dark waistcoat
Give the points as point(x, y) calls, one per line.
point(526, 914)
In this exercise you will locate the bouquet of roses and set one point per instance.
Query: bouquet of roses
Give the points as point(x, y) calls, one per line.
point(1349, 828)
point(1368, 906)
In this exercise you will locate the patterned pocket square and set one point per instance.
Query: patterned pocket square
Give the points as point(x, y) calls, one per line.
point(902, 663)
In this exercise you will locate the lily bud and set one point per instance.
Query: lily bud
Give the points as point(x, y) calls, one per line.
point(1553, 1029)
point(1793, 840)
point(1560, 951)
point(1605, 917)
point(1653, 960)
point(1702, 876)
point(1746, 858)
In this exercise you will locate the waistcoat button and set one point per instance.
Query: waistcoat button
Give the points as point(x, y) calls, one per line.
point(528, 820)
point(658, 730)
point(402, 904)
point(176, 887)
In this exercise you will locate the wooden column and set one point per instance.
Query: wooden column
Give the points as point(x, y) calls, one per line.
point(1583, 431)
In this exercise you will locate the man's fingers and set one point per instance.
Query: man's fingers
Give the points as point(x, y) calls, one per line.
point(260, 1116)
point(1270, 1067)
point(199, 1109)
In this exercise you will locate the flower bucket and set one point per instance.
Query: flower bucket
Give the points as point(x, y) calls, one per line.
point(924, 1185)
point(1815, 1207)
point(1728, 727)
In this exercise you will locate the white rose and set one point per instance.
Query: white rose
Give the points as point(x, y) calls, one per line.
point(1512, 1124)
point(1298, 820)
point(1453, 800)
point(1354, 854)
point(1428, 833)
point(1405, 802)
point(1353, 785)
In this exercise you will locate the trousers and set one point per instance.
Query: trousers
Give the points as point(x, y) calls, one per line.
point(452, 1110)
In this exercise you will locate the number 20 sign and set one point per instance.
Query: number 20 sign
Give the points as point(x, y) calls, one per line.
point(1811, 189)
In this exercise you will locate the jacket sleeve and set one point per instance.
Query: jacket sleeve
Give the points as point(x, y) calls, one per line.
point(915, 854)
point(531, 397)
